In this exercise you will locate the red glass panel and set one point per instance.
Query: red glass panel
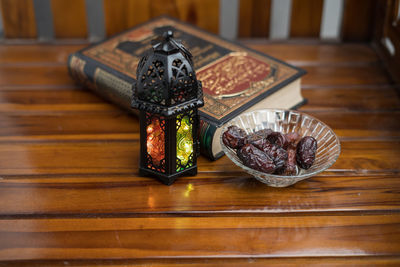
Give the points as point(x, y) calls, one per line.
point(155, 142)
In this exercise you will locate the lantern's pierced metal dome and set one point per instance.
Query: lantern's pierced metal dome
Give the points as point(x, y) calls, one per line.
point(166, 81)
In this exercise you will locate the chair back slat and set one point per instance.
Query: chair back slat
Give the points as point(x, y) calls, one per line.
point(305, 18)
point(254, 18)
point(386, 37)
point(204, 13)
point(346, 20)
point(123, 14)
point(19, 18)
point(69, 18)
point(358, 20)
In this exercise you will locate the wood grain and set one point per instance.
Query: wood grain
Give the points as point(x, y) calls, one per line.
point(121, 157)
point(311, 54)
point(65, 123)
point(306, 18)
point(69, 18)
point(35, 75)
point(49, 97)
point(321, 54)
point(234, 193)
point(254, 18)
point(318, 75)
point(361, 98)
point(326, 64)
point(245, 19)
point(123, 14)
point(204, 237)
point(197, 262)
point(344, 75)
point(358, 19)
point(71, 193)
point(18, 18)
point(319, 99)
point(28, 120)
point(36, 54)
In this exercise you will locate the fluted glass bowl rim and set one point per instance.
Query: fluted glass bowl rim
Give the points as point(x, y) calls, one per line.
point(229, 151)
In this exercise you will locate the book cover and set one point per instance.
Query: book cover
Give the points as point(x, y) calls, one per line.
point(234, 77)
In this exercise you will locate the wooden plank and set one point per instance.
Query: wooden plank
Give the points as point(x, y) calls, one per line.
point(358, 19)
point(70, 189)
point(18, 18)
point(254, 18)
point(322, 54)
point(198, 262)
point(220, 191)
point(344, 75)
point(59, 111)
point(123, 14)
point(39, 54)
point(334, 99)
point(114, 156)
point(50, 96)
point(69, 18)
point(362, 98)
point(369, 125)
point(298, 53)
point(317, 75)
point(35, 75)
point(306, 18)
point(311, 236)
point(67, 122)
point(89, 119)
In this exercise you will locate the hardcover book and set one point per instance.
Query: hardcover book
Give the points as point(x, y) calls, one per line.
point(235, 78)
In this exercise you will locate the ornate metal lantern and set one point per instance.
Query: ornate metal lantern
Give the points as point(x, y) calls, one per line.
point(168, 95)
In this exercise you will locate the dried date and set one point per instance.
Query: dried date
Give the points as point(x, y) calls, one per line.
point(292, 139)
point(305, 153)
point(279, 139)
point(290, 167)
point(256, 159)
point(251, 138)
point(276, 153)
point(234, 137)
point(272, 152)
point(254, 137)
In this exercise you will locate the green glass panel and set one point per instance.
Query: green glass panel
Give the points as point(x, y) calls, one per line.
point(184, 142)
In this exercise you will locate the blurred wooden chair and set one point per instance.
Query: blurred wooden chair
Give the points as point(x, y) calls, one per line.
point(370, 21)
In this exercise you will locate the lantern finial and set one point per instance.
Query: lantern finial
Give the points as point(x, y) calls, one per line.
point(168, 34)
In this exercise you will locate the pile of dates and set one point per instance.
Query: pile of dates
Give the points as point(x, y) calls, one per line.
point(272, 152)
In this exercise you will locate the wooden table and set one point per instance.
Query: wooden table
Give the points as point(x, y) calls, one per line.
point(70, 193)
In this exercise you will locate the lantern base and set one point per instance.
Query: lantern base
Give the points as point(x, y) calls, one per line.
point(168, 179)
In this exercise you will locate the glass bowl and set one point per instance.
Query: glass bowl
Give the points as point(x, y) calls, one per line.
point(287, 121)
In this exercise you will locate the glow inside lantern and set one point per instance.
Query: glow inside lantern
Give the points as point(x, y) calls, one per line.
point(184, 142)
point(155, 141)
